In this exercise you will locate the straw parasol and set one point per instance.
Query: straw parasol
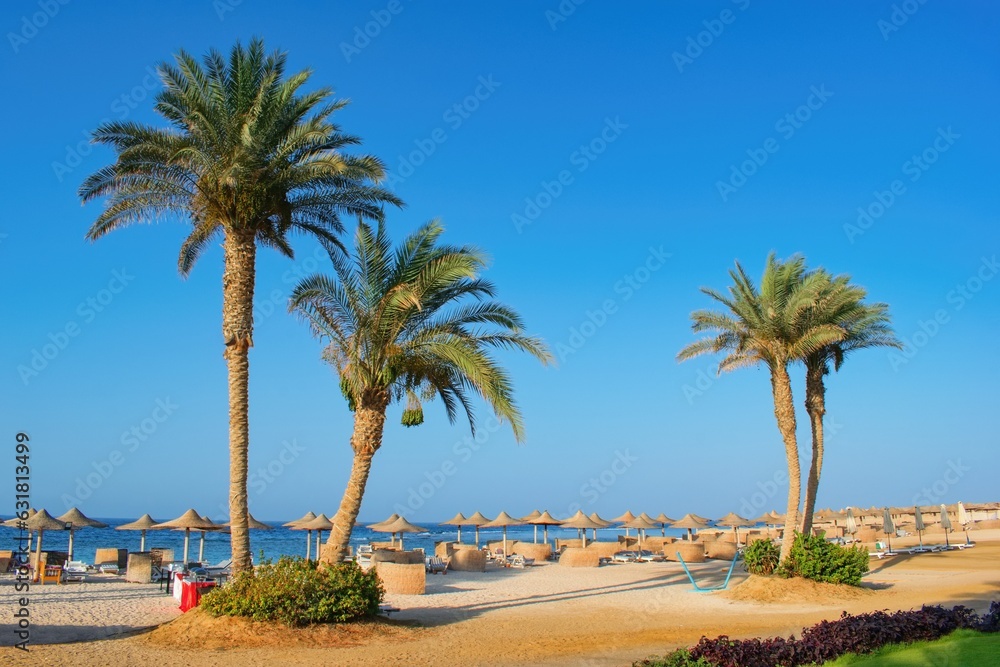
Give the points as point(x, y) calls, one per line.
point(946, 524)
point(664, 521)
point(187, 521)
point(76, 519)
point(581, 522)
point(596, 518)
point(458, 521)
point(294, 525)
point(734, 521)
point(545, 520)
point(477, 520)
point(641, 523)
point(888, 527)
point(379, 527)
point(527, 519)
point(502, 521)
point(690, 521)
point(319, 524)
point(400, 525)
point(850, 523)
point(143, 523)
point(623, 519)
point(42, 521)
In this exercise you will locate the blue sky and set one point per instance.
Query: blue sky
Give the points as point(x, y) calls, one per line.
point(612, 160)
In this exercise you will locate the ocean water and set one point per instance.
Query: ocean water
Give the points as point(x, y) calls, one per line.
point(278, 541)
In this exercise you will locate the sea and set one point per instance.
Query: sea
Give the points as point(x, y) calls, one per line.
point(279, 541)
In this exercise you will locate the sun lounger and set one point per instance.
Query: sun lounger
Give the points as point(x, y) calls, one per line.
point(624, 557)
point(435, 565)
point(519, 561)
point(387, 609)
point(75, 570)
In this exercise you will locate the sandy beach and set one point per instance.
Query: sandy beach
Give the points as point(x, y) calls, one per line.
point(543, 615)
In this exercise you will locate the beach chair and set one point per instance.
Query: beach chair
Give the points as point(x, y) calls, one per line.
point(624, 557)
point(364, 554)
point(701, 589)
point(75, 570)
point(435, 565)
point(520, 562)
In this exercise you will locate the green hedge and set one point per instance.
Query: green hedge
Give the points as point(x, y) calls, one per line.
point(814, 558)
point(296, 592)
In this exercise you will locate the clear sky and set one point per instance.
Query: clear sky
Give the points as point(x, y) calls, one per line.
point(612, 159)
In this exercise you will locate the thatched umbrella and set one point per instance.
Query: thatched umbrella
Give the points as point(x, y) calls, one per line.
point(641, 523)
point(458, 521)
point(76, 519)
point(319, 524)
point(477, 520)
point(623, 519)
point(581, 522)
point(42, 521)
point(294, 525)
point(379, 527)
point(534, 514)
point(143, 523)
point(400, 525)
point(502, 521)
point(946, 524)
point(186, 522)
point(735, 521)
point(545, 520)
point(596, 518)
point(16, 523)
point(690, 521)
point(664, 521)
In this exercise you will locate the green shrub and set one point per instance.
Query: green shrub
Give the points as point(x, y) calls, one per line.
point(679, 658)
point(761, 557)
point(296, 592)
point(814, 558)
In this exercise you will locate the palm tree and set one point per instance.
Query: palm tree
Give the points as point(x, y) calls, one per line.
point(768, 326)
point(865, 325)
point(247, 158)
point(399, 326)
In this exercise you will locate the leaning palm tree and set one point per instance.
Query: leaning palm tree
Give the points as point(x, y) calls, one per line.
point(247, 158)
point(768, 326)
point(400, 326)
point(865, 325)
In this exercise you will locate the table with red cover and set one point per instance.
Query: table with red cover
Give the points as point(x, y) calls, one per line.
point(191, 592)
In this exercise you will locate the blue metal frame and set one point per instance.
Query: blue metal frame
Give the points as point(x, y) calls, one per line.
point(707, 590)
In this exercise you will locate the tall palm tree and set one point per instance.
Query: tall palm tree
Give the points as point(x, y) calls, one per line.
point(399, 325)
point(769, 326)
point(865, 325)
point(246, 158)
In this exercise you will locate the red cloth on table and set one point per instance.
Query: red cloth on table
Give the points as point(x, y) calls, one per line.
point(191, 592)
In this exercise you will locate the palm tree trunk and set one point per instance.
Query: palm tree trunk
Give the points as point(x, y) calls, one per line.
point(369, 422)
point(237, 330)
point(784, 412)
point(816, 407)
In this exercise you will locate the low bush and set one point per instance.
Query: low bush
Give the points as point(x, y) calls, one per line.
point(814, 558)
point(679, 658)
point(296, 592)
point(828, 640)
point(761, 557)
